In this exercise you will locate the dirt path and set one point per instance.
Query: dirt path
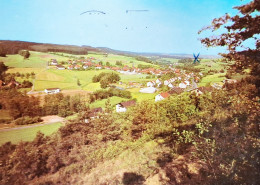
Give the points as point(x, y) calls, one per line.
point(47, 120)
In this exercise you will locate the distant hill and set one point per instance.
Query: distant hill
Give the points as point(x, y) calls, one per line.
point(13, 47)
point(147, 54)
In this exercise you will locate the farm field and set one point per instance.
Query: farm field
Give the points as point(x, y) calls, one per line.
point(215, 78)
point(36, 60)
point(66, 79)
point(208, 64)
point(27, 134)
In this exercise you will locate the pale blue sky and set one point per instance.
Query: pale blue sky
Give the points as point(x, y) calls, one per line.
point(170, 26)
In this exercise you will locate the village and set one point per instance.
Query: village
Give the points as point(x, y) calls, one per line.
point(182, 81)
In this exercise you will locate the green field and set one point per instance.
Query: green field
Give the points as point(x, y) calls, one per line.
point(208, 64)
point(113, 100)
point(67, 79)
point(27, 134)
point(216, 78)
point(141, 96)
point(36, 60)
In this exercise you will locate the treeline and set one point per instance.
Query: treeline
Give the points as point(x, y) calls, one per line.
point(185, 61)
point(13, 47)
point(21, 105)
point(104, 94)
point(144, 59)
point(58, 104)
point(211, 132)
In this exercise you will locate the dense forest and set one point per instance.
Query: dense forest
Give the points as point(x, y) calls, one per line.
point(13, 47)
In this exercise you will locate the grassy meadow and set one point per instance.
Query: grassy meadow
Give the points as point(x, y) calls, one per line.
point(27, 134)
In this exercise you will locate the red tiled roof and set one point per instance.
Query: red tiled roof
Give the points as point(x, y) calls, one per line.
point(165, 94)
point(176, 90)
point(95, 111)
point(128, 103)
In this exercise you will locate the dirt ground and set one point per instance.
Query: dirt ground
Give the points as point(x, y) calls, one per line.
point(52, 119)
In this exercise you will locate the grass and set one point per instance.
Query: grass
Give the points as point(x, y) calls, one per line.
point(135, 78)
point(113, 100)
point(207, 64)
point(27, 134)
point(34, 61)
point(112, 58)
point(141, 96)
point(215, 78)
point(67, 79)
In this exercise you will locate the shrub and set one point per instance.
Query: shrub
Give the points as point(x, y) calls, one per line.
point(24, 53)
point(26, 120)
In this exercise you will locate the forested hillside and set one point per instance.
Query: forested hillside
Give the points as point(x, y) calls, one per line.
point(13, 47)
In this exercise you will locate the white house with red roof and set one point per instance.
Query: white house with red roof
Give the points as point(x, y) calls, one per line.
point(122, 107)
point(151, 84)
point(161, 96)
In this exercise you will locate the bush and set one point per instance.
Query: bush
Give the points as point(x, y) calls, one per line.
point(24, 53)
point(104, 94)
point(27, 84)
point(26, 120)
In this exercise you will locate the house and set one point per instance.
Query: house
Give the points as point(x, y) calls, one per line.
point(98, 66)
point(122, 107)
point(182, 85)
point(229, 81)
point(187, 82)
point(175, 90)
point(77, 67)
point(60, 67)
point(94, 112)
point(166, 82)
point(217, 86)
point(52, 91)
point(70, 67)
point(13, 84)
point(151, 84)
point(162, 96)
point(85, 66)
point(148, 90)
point(205, 89)
point(170, 85)
point(54, 62)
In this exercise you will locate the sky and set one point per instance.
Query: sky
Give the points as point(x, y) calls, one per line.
point(168, 26)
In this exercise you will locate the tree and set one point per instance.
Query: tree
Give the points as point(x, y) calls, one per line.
point(2, 52)
point(108, 64)
point(3, 68)
point(24, 53)
point(78, 83)
point(239, 28)
point(104, 82)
